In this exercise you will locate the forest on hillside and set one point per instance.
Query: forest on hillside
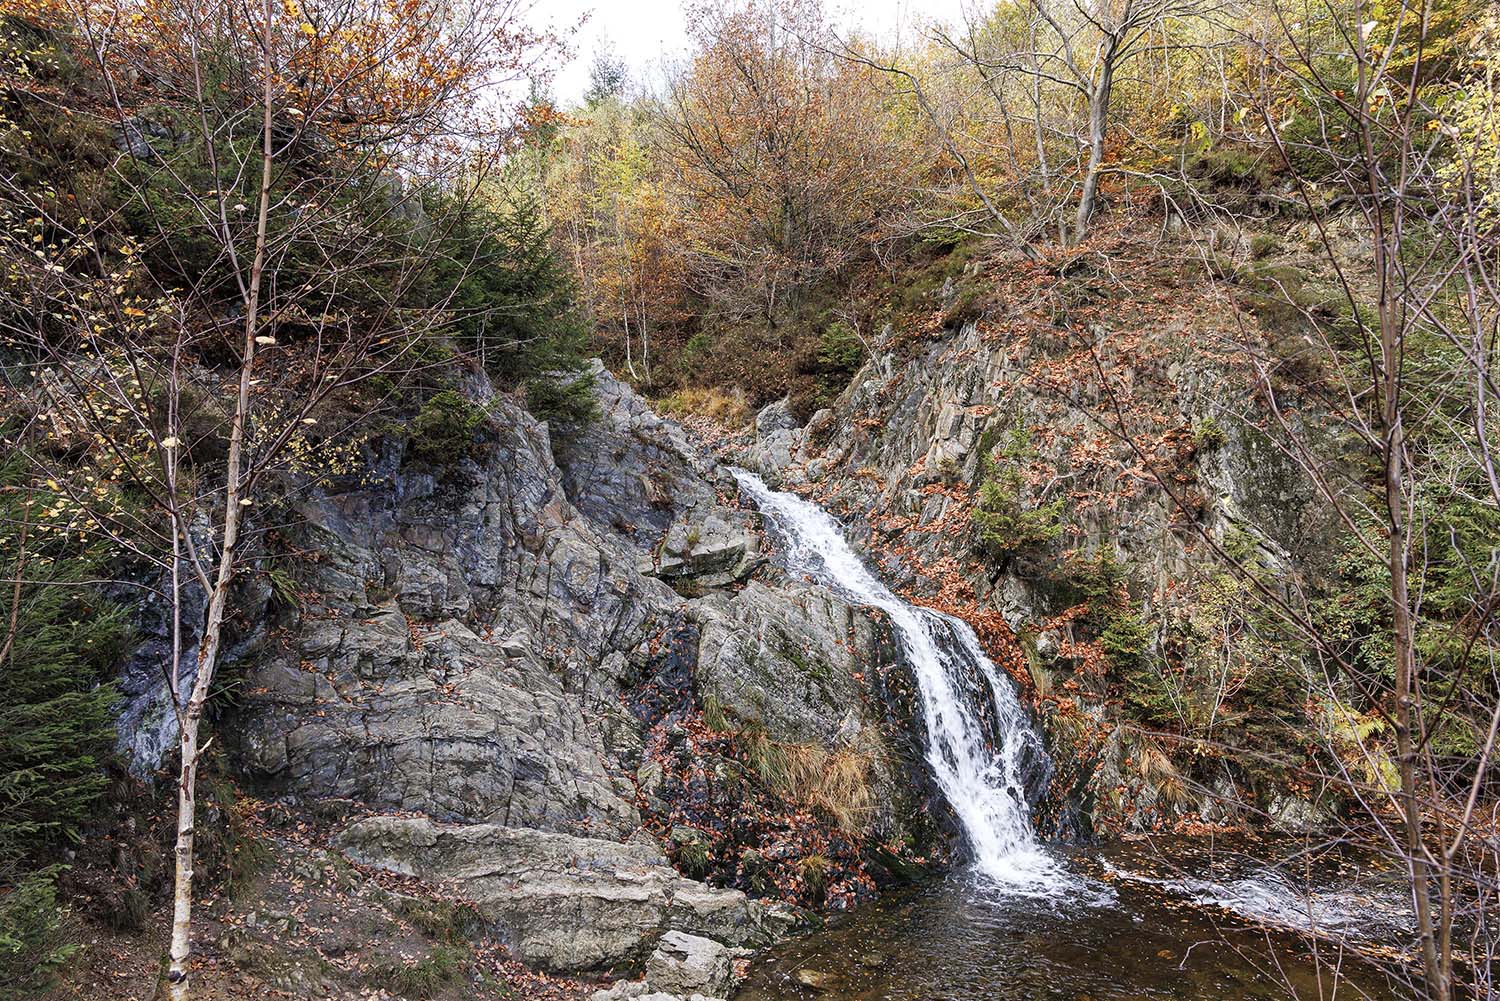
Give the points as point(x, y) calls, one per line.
point(256, 253)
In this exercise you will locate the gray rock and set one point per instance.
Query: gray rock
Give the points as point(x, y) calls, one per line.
point(775, 443)
point(713, 548)
point(563, 903)
point(775, 417)
point(462, 651)
point(785, 658)
point(688, 964)
point(641, 477)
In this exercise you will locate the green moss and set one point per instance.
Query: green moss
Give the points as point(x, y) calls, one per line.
point(1209, 434)
point(441, 968)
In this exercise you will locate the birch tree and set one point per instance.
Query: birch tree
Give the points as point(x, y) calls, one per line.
point(286, 201)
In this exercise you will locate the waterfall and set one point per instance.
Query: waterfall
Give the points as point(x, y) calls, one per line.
point(981, 745)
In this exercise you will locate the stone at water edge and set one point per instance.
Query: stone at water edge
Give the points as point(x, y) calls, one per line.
point(684, 964)
point(640, 990)
point(564, 903)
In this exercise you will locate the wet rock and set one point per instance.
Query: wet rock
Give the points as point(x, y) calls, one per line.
point(815, 980)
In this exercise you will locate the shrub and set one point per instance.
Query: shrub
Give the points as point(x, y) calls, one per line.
point(511, 298)
point(1007, 524)
point(443, 430)
point(562, 400)
point(1125, 639)
point(56, 714)
point(31, 943)
point(840, 350)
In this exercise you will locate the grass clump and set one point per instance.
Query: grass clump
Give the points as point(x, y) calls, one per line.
point(1209, 434)
point(836, 783)
point(443, 967)
point(728, 407)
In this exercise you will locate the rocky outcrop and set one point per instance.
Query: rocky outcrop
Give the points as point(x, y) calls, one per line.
point(569, 903)
point(471, 643)
point(644, 478)
point(460, 649)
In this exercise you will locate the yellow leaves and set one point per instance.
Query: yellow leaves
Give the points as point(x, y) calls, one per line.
point(307, 29)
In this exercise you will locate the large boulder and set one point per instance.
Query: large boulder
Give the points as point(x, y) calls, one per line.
point(774, 444)
point(787, 659)
point(563, 903)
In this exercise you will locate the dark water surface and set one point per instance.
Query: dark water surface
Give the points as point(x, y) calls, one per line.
point(1167, 919)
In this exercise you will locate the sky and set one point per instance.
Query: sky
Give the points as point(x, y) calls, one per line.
point(641, 32)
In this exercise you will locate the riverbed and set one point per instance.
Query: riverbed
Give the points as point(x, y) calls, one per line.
point(1167, 918)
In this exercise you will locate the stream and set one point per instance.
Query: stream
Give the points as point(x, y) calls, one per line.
point(1170, 918)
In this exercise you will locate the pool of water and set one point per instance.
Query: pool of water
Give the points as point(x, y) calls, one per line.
point(1171, 919)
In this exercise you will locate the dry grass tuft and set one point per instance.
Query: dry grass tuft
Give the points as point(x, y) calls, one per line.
point(730, 408)
point(838, 783)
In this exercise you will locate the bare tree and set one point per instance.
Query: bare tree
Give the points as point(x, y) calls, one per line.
point(1395, 184)
point(280, 263)
point(1081, 46)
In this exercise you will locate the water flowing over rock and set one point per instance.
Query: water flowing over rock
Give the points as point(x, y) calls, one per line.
point(981, 745)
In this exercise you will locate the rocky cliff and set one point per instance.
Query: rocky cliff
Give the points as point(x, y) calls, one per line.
point(1060, 472)
point(558, 679)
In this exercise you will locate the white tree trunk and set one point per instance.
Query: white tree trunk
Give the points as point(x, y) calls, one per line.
point(180, 953)
point(1098, 128)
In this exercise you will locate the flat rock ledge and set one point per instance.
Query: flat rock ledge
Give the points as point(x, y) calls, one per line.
point(570, 904)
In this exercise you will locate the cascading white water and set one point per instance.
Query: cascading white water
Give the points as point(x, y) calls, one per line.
point(980, 743)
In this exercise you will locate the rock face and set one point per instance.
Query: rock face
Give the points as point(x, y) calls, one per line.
point(902, 455)
point(641, 476)
point(468, 643)
point(786, 659)
point(569, 903)
point(461, 650)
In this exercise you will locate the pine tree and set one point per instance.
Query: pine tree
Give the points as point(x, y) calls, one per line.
point(58, 640)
